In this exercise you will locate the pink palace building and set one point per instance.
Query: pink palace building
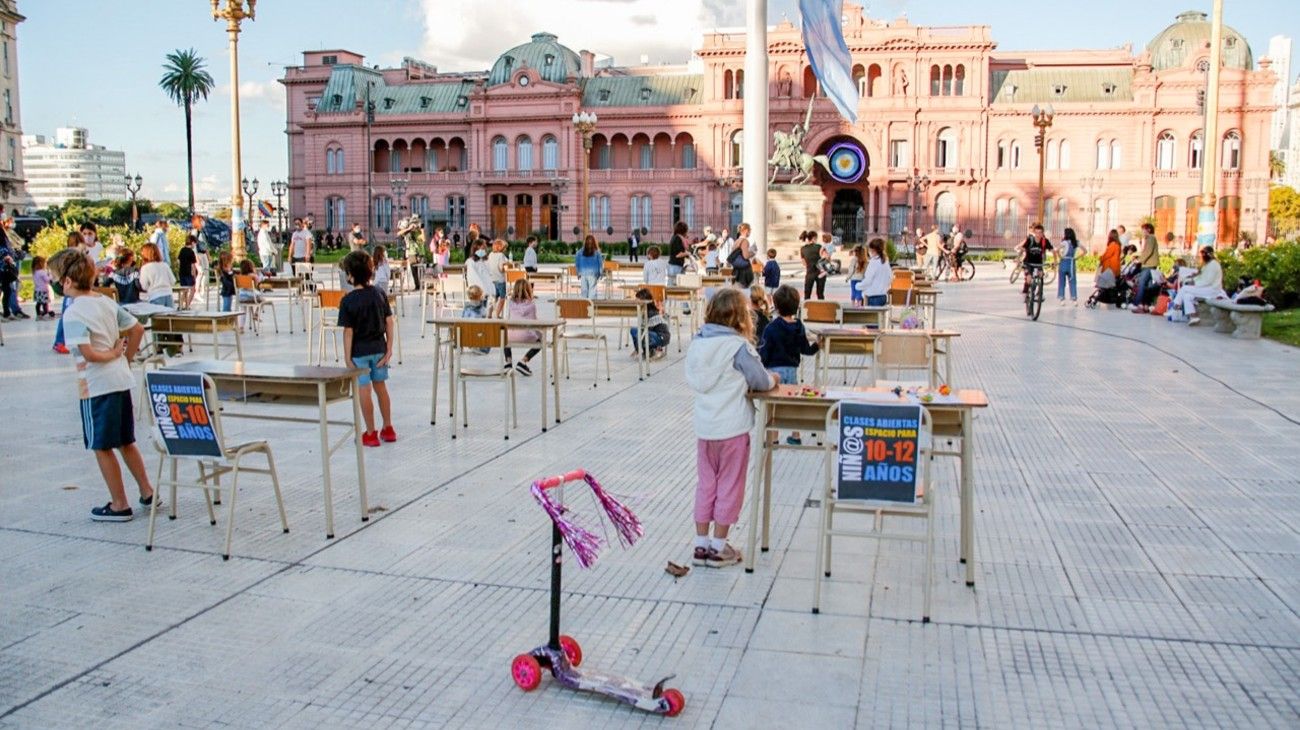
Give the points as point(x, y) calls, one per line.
point(944, 136)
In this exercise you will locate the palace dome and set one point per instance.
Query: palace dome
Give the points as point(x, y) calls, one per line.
point(1189, 37)
point(544, 53)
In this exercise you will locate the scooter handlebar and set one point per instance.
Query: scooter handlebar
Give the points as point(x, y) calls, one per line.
point(555, 481)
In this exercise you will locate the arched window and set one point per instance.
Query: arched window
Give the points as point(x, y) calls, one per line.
point(1062, 216)
point(728, 85)
point(500, 154)
point(684, 209)
point(598, 212)
point(383, 213)
point(1116, 155)
point(740, 85)
point(688, 156)
point(1196, 150)
point(737, 148)
point(959, 81)
point(639, 212)
point(647, 157)
point(420, 205)
point(329, 161)
point(874, 87)
point(456, 211)
point(1103, 154)
point(945, 152)
point(1002, 161)
point(1232, 152)
point(947, 80)
point(524, 153)
point(809, 82)
point(1065, 154)
point(934, 81)
point(431, 160)
point(1053, 151)
point(550, 153)
point(335, 213)
point(1000, 216)
point(1015, 155)
point(395, 159)
point(945, 211)
point(860, 80)
point(1165, 151)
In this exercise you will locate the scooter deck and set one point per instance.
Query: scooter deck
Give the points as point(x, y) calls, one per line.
point(624, 689)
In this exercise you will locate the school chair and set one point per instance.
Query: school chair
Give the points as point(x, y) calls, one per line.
point(579, 317)
point(253, 310)
point(898, 352)
point(327, 320)
point(490, 335)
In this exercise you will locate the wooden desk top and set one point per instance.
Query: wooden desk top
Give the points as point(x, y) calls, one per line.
point(218, 369)
point(960, 398)
point(873, 332)
point(532, 324)
point(619, 304)
point(207, 316)
point(866, 310)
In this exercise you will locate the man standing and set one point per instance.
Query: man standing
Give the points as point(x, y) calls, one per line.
point(265, 246)
point(933, 242)
point(201, 246)
point(300, 243)
point(1149, 263)
point(811, 253)
point(633, 245)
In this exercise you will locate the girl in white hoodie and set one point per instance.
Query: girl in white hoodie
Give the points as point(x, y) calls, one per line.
point(722, 366)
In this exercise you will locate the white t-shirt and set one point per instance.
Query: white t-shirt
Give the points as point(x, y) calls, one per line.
point(156, 280)
point(655, 271)
point(159, 239)
point(97, 321)
point(96, 251)
point(265, 248)
point(299, 241)
point(496, 266)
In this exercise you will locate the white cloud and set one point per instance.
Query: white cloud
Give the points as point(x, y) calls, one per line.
point(256, 92)
point(468, 36)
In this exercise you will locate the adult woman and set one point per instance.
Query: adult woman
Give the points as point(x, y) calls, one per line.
point(857, 272)
point(156, 279)
point(1112, 257)
point(590, 264)
point(1206, 285)
point(1066, 268)
point(878, 277)
point(741, 260)
point(677, 251)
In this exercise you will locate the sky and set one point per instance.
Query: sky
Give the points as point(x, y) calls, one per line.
point(96, 64)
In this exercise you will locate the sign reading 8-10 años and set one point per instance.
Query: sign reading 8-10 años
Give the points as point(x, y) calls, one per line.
point(180, 410)
point(878, 451)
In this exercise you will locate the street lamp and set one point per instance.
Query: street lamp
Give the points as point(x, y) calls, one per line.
point(556, 232)
point(585, 123)
point(1043, 121)
point(1091, 186)
point(917, 184)
point(249, 190)
point(398, 185)
point(1255, 186)
point(278, 189)
point(132, 189)
point(234, 13)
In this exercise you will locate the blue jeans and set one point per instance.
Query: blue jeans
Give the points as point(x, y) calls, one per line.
point(58, 331)
point(11, 298)
point(855, 290)
point(879, 300)
point(588, 283)
point(789, 375)
point(1143, 281)
point(1067, 270)
point(225, 302)
point(654, 340)
point(673, 272)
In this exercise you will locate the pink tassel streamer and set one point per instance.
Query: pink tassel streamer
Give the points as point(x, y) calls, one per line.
point(625, 522)
point(583, 543)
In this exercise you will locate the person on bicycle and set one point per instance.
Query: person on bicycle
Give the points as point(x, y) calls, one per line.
point(1033, 252)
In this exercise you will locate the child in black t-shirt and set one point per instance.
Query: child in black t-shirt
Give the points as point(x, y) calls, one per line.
point(367, 323)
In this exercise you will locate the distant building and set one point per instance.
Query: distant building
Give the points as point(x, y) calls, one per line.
point(1289, 147)
point(69, 167)
point(13, 193)
point(1279, 53)
point(497, 147)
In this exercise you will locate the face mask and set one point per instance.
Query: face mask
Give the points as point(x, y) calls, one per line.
point(57, 286)
point(480, 253)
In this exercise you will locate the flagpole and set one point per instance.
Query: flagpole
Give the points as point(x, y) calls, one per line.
point(755, 134)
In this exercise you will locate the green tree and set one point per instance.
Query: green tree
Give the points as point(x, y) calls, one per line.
point(1284, 211)
point(185, 81)
point(1276, 165)
point(171, 211)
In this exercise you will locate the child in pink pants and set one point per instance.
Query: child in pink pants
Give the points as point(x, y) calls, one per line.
point(722, 367)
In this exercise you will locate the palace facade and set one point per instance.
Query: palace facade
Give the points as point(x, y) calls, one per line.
point(944, 136)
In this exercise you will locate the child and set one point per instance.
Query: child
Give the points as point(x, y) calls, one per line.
point(711, 259)
point(530, 255)
point(771, 272)
point(721, 366)
point(476, 271)
point(382, 270)
point(249, 296)
point(103, 339)
point(125, 278)
point(760, 312)
point(475, 307)
point(657, 334)
point(823, 265)
point(226, 271)
point(41, 288)
point(655, 270)
point(784, 341)
point(367, 323)
point(497, 271)
point(522, 306)
point(187, 270)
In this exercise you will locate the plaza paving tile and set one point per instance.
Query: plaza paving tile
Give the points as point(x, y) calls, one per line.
point(1138, 539)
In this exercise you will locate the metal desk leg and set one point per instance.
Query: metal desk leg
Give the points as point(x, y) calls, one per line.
point(361, 452)
point(968, 495)
point(767, 487)
point(555, 365)
point(753, 478)
point(437, 349)
point(325, 460)
point(545, 415)
point(239, 345)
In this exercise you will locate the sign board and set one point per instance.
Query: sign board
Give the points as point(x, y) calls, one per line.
point(180, 410)
point(879, 452)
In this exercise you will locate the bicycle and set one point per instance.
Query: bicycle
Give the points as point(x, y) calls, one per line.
point(1049, 272)
point(1034, 296)
point(965, 271)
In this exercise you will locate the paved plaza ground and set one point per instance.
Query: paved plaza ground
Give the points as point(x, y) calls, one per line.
point(1137, 544)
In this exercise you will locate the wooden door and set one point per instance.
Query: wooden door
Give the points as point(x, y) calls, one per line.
point(500, 211)
point(523, 215)
point(1166, 215)
point(1229, 220)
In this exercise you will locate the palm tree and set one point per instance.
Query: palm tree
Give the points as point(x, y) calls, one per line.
point(185, 81)
point(1276, 165)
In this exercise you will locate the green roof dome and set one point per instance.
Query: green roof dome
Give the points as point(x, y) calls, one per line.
point(1189, 36)
point(544, 54)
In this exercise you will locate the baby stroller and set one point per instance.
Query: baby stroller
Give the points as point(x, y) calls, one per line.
point(1111, 290)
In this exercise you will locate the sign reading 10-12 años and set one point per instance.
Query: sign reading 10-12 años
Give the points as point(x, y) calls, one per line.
point(180, 409)
point(878, 451)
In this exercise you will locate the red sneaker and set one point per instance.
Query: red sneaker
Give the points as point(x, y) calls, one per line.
point(370, 439)
point(388, 434)
point(60, 348)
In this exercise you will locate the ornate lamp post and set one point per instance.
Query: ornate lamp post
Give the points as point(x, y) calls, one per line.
point(585, 123)
point(558, 184)
point(278, 189)
point(250, 190)
point(1091, 186)
point(1043, 121)
point(133, 189)
point(917, 184)
point(234, 12)
point(398, 185)
point(1255, 186)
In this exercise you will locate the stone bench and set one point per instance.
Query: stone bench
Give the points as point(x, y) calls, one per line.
point(1243, 321)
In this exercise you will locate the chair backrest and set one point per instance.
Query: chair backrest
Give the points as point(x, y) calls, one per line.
point(903, 279)
point(689, 280)
point(924, 440)
point(610, 265)
point(108, 291)
point(192, 442)
point(573, 270)
point(330, 298)
point(822, 311)
point(513, 275)
point(898, 351)
point(658, 292)
point(900, 297)
point(245, 281)
point(482, 334)
point(574, 308)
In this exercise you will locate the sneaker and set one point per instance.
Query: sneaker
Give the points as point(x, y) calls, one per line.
point(148, 503)
point(728, 555)
point(1139, 309)
point(108, 514)
point(1193, 321)
point(370, 439)
point(658, 354)
point(60, 348)
point(793, 441)
point(508, 367)
point(701, 556)
point(24, 315)
point(522, 367)
point(388, 433)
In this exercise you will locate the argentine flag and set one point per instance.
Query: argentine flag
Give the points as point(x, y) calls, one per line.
point(823, 39)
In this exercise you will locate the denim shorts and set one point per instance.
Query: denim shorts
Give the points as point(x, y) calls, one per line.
point(373, 372)
point(789, 375)
point(500, 287)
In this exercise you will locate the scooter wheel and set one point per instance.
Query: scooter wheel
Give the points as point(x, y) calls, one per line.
point(572, 651)
point(676, 702)
point(526, 672)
